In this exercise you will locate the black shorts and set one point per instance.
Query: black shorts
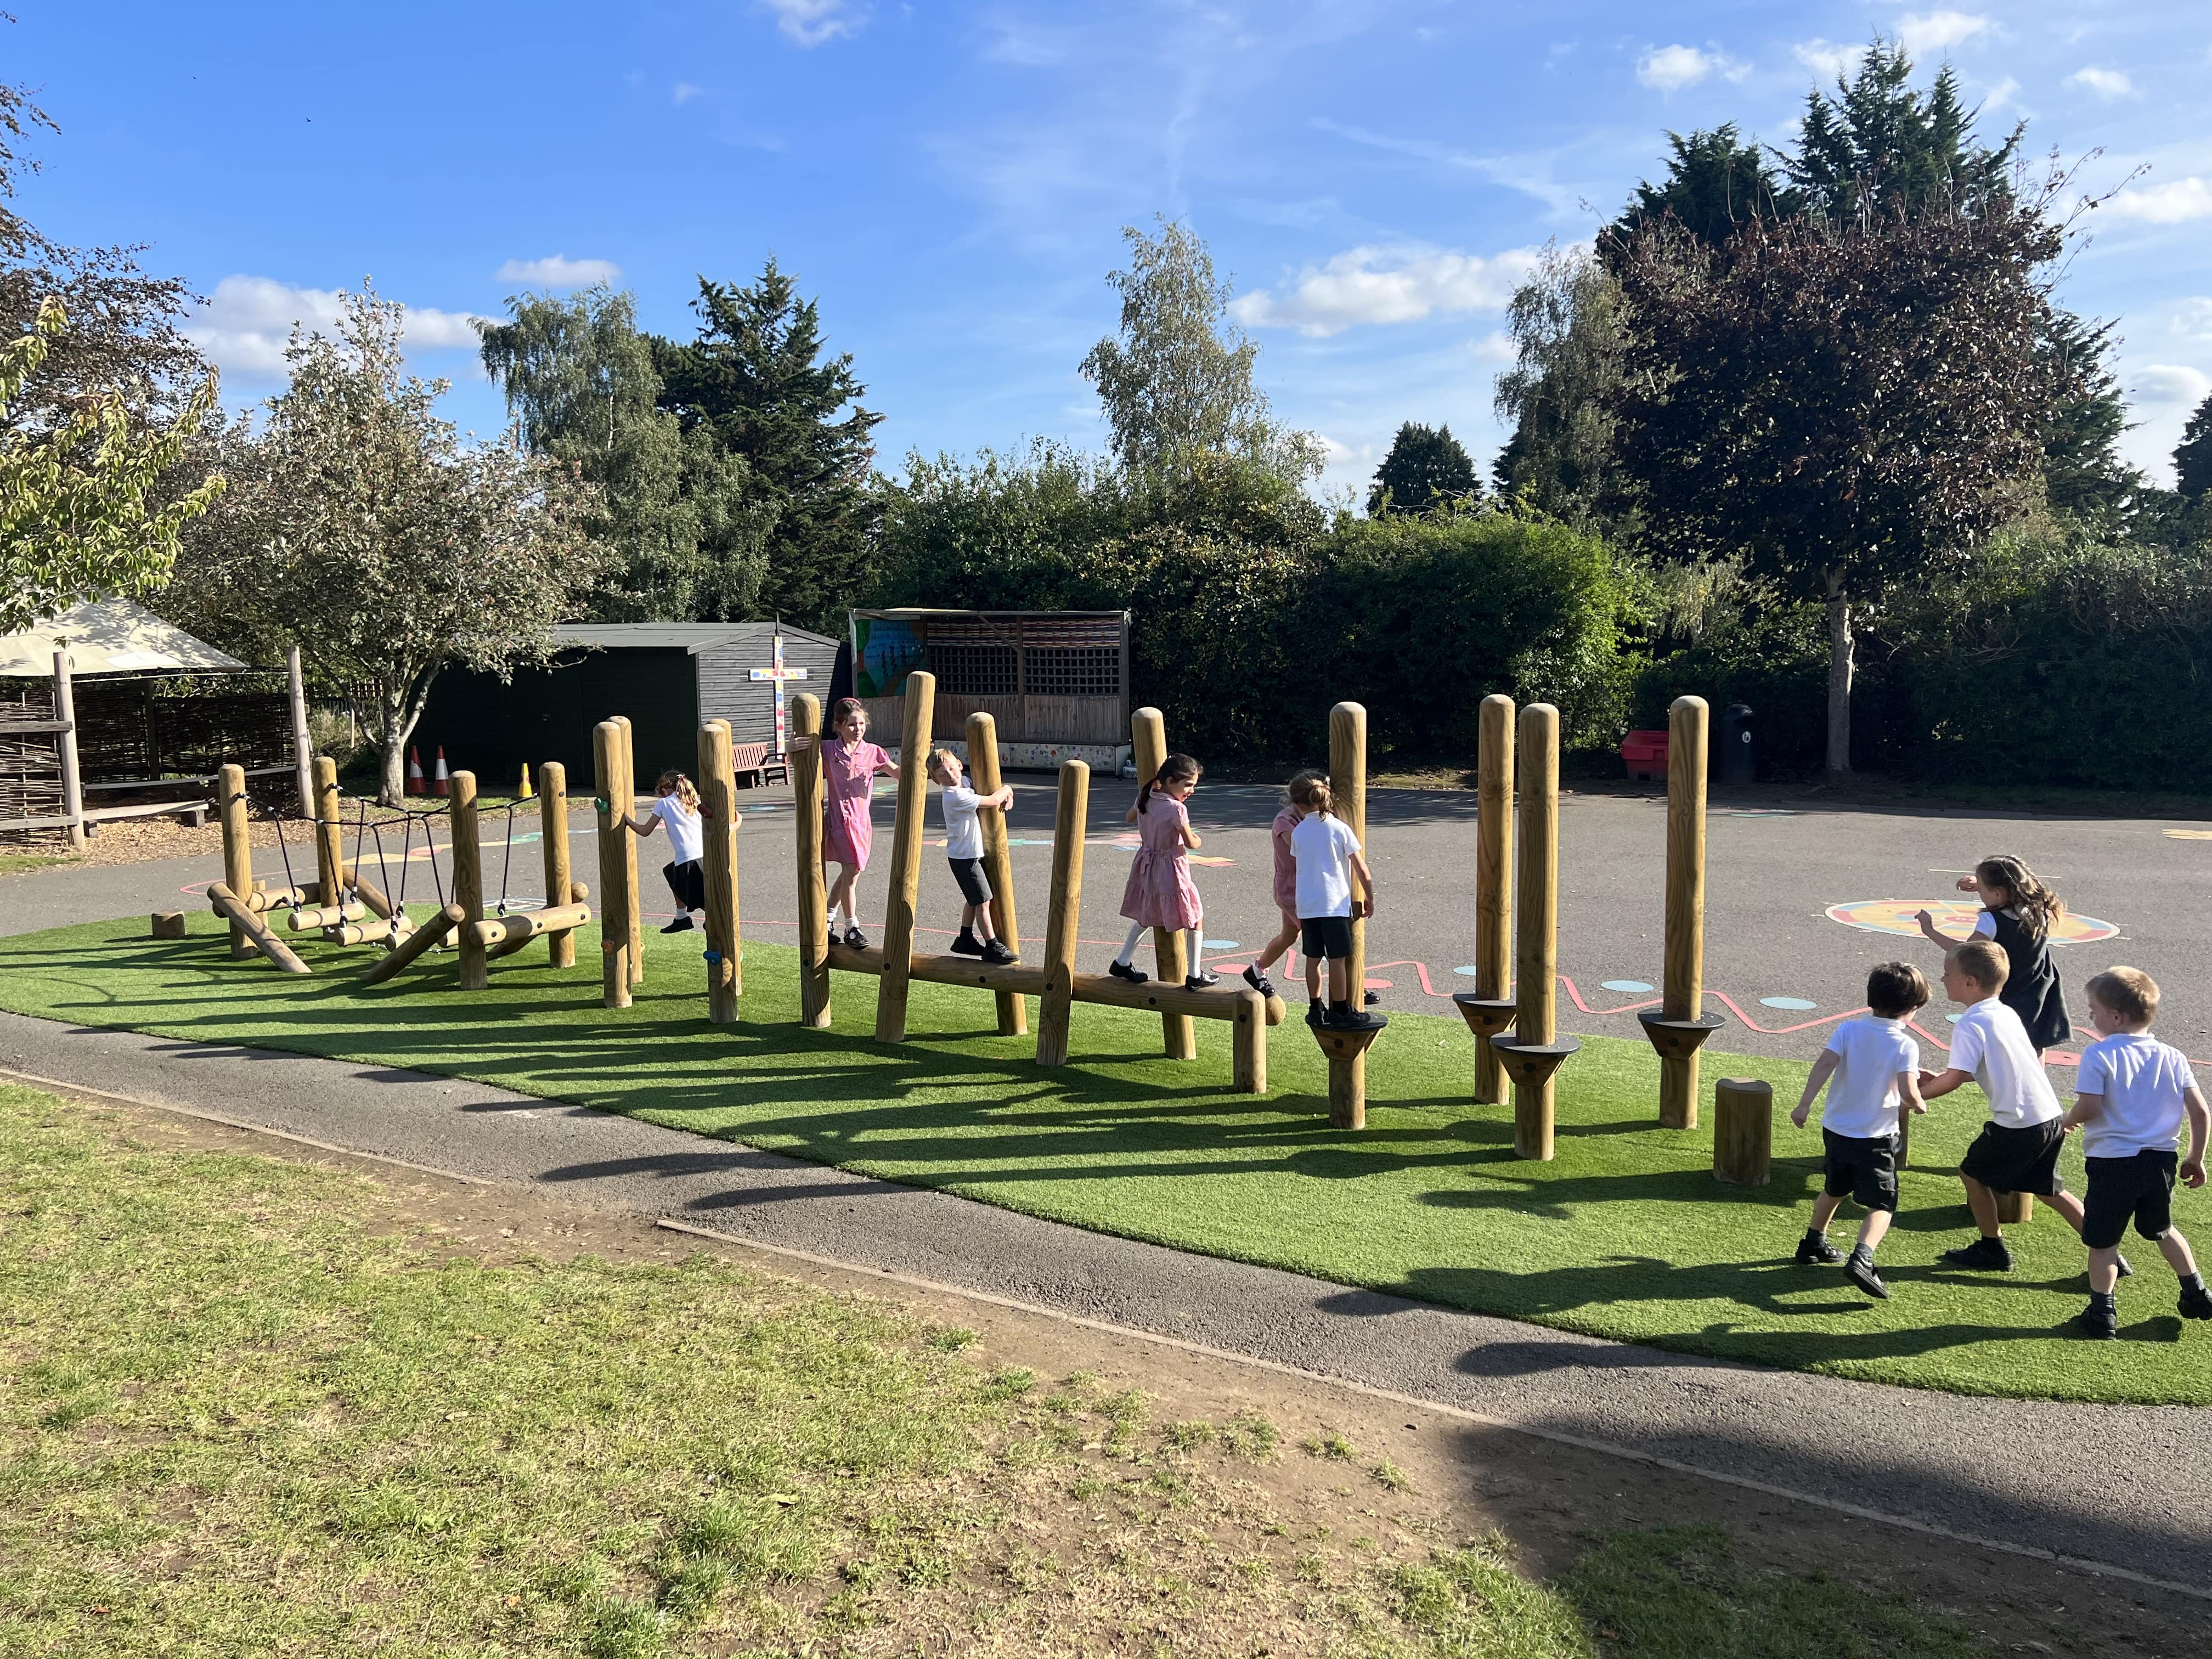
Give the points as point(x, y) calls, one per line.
point(687, 882)
point(2123, 1189)
point(1326, 937)
point(1864, 1170)
point(2022, 1160)
point(968, 876)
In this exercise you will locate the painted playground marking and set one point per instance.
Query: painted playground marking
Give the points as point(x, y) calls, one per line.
point(2189, 834)
point(1631, 987)
point(1895, 916)
point(1794, 1005)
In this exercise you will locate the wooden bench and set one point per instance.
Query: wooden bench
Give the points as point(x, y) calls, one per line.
point(752, 766)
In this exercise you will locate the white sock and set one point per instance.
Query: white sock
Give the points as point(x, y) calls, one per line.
point(1129, 944)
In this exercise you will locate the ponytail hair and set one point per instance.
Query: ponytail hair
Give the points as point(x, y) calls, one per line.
point(673, 782)
point(1309, 793)
point(2037, 905)
point(1176, 768)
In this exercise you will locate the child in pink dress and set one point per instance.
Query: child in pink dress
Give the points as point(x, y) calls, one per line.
point(850, 764)
point(1286, 888)
point(1160, 893)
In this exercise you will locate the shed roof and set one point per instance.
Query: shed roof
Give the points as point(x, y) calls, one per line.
point(693, 637)
point(917, 612)
point(111, 636)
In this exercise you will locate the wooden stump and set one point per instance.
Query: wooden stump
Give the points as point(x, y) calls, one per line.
point(1148, 736)
point(237, 846)
point(1347, 1074)
point(168, 924)
point(813, 893)
point(919, 710)
point(553, 845)
point(1536, 953)
point(1685, 990)
point(1013, 1011)
point(467, 880)
point(718, 858)
point(1494, 880)
point(1063, 913)
point(1249, 1036)
point(1743, 1131)
point(614, 923)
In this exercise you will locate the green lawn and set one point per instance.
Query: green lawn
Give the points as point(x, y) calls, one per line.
point(1625, 1235)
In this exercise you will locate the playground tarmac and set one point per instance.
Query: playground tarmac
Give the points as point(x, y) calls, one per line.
point(2120, 1487)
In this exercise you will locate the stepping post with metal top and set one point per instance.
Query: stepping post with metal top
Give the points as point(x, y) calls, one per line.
point(1535, 1050)
point(1347, 1050)
point(1681, 1025)
point(717, 857)
point(1013, 1010)
point(1148, 735)
point(1056, 1004)
point(1488, 1010)
point(813, 895)
point(920, 710)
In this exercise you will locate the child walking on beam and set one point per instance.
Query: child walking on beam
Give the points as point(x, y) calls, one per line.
point(1329, 862)
point(964, 851)
point(1160, 893)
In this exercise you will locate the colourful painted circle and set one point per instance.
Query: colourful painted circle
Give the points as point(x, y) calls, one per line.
point(1628, 986)
point(1954, 1019)
point(1953, 917)
point(1221, 945)
point(1795, 1004)
point(1376, 984)
point(1469, 973)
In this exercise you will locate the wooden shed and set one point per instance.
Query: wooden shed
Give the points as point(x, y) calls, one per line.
point(666, 677)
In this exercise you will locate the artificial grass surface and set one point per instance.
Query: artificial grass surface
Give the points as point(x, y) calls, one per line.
point(1626, 1234)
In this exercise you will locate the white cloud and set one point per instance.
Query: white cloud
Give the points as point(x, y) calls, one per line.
point(684, 92)
point(248, 320)
point(2004, 95)
point(2104, 83)
point(1670, 68)
point(1385, 285)
point(1921, 32)
point(2171, 383)
point(1826, 59)
point(2193, 318)
point(558, 271)
point(811, 22)
point(2174, 203)
point(1027, 48)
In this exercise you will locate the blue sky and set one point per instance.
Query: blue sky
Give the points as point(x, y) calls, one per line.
point(951, 180)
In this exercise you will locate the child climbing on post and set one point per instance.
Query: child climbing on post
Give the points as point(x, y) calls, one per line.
point(1329, 862)
point(2017, 912)
point(1160, 892)
point(1871, 1070)
point(850, 766)
point(675, 804)
point(964, 851)
point(1285, 890)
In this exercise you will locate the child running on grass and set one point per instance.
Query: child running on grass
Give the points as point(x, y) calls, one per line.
point(2017, 915)
point(1286, 887)
point(850, 765)
point(1871, 1070)
point(2132, 1094)
point(675, 804)
point(1329, 860)
point(964, 851)
point(1160, 892)
point(2017, 1151)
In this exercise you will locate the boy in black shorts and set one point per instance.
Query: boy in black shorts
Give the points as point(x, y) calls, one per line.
point(964, 851)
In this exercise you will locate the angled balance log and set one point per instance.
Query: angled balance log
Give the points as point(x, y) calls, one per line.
point(246, 924)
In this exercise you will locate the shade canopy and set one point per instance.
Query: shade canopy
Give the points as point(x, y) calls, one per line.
point(114, 637)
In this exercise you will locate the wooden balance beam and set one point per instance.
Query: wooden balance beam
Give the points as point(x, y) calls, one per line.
point(417, 943)
point(244, 924)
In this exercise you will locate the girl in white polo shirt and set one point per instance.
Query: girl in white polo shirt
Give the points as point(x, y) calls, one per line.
point(675, 804)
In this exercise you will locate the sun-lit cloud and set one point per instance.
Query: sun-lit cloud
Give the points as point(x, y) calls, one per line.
point(247, 321)
point(2106, 83)
point(2176, 201)
point(559, 272)
point(1826, 59)
point(1670, 68)
point(684, 92)
point(2192, 318)
point(1384, 285)
point(1921, 32)
point(811, 22)
point(2171, 383)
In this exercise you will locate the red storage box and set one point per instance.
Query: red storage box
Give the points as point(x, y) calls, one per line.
point(1645, 752)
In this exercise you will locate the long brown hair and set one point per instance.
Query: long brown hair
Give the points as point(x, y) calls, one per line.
point(2037, 905)
point(1174, 769)
point(1310, 792)
point(843, 706)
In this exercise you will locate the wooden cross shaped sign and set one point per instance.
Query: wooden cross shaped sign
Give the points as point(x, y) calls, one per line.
point(776, 675)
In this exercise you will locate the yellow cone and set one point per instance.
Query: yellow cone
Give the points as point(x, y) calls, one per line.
point(525, 792)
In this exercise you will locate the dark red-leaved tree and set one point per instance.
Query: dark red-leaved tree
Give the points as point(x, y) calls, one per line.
point(1843, 405)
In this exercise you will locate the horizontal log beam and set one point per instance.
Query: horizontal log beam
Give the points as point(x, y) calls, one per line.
point(1220, 1002)
point(227, 904)
point(368, 932)
point(525, 925)
point(306, 918)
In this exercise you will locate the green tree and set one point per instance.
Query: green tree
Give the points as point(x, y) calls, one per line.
point(1175, 382)
point(1839, 404)
point(1568, 335)
point(359, 527)
point(676, 512)
point(1716, 183)
point(80, 516)
point(2082, 472)
point(757, 382)
point(1877, 146)
point(2192, 456)
point(1427, 470)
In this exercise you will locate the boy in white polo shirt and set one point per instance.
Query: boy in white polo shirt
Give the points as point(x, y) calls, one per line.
point(1871, 1066)
point(2017, 1151)
point(2131, 1093)
point(964, 851)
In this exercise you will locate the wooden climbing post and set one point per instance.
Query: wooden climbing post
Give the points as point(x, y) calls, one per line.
point(1493, 879)
point(607, 761)
point(1347, 789)
point(1684, 989)
point(330, 832)
point(813, 895)
point(468, 881)
point(1743, 1131)
point(921, 709)
point(303, 745)
point(1063, 913)
point(997, 862)
point(1148, 732)
point(238, 848)
point(553, 844)
point(718, 855)
point(72, 773)
point(1536, 957)
point(626, 803)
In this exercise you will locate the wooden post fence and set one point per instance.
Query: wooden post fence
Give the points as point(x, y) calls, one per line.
point(1055, 1008)
point(998, 861)
point(919, 710)
point(1148, 732)
point(813, 894)
point(718, 854)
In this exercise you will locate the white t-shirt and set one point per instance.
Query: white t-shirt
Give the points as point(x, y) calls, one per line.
point(1989, 1041)
point(1985, 925)
point(1321, 843)
point(685, 843)
point(2142, 1081)
point(1862, 1094)
point(964, 833)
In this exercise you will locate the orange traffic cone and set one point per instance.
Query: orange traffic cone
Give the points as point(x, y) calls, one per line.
point(441, 782)
point(413, 770)
point(525, 792)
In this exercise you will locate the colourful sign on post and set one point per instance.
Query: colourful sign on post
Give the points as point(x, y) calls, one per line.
point(777, 675)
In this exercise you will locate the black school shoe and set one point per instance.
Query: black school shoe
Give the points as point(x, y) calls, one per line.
point(1983, 1255)
point(2196, 1301)
point(1201, 980)
point(681, 925)
point(997, 954)
point(1259, 981)
point(1860, 1271)
point(1814, 1248)
point(965, 945)
point(1123, 971)
point(1316, 1014)
point(856, 939)
point(1352, 1019)
point(2099, 1321)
